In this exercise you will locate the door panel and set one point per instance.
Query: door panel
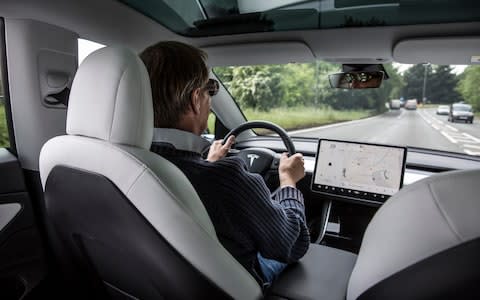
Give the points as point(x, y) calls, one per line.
point(21, 250)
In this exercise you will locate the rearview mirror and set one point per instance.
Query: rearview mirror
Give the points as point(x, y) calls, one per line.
point(356, 80)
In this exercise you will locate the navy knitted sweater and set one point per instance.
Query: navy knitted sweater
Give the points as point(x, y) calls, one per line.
point(246, 216)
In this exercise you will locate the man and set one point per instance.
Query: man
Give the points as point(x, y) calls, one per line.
point(263, 232)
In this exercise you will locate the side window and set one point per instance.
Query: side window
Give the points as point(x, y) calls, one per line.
point(4, 140)
point(211, 123)
point(85, 47)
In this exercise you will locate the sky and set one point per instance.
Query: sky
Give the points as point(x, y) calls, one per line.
point(457, 69)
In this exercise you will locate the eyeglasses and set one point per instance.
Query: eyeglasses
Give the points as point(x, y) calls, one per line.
point(212, 87)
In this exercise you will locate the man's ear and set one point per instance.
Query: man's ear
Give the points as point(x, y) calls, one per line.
point(195, 101)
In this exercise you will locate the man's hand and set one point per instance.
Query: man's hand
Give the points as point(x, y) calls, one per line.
point(291, 169)
point(218, 151)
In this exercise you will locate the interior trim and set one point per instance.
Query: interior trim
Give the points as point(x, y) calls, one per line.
point(8, 211)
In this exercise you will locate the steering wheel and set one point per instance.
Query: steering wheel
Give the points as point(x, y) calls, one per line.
point(261, 160)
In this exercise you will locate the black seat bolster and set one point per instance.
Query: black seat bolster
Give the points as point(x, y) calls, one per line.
point(323, 273)
point(450, 274)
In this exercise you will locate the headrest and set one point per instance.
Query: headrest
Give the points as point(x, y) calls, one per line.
point(111, 99)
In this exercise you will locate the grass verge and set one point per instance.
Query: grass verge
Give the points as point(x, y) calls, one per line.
point(293, 118)
point(4, 142)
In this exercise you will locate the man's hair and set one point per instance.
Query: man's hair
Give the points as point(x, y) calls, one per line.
point(175, 70)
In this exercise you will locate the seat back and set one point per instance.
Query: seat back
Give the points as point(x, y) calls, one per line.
point(423, 243)
point(125, 221)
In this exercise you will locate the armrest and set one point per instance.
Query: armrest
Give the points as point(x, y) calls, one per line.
point(323, 273)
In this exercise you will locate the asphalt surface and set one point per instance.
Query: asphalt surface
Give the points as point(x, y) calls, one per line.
point(417, 128)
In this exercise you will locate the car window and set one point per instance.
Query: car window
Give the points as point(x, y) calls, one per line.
point(462, 108)
point(85, 47)
point(4, 139)
point(403, 111)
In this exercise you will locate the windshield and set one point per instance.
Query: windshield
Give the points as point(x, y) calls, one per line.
point(403, 111)
point(462, 108)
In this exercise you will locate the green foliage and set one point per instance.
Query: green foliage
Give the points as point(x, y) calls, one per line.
point(414, 78)
point(291, 118)
point(440, 88)
point(269, 86)
point(469, 86)
point(304, 116)
point(4, 141)
point(253, 86)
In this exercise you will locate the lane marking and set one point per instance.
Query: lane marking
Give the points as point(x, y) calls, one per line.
point(471, 152)
point(464, 140)
point(401, 114)
point(448, 137)
point(451, 128)
point(471, 137)
point(331, 125)
point(435, 127)
point(472, 146)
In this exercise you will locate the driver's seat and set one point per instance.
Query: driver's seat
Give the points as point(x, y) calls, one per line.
point(124, 221)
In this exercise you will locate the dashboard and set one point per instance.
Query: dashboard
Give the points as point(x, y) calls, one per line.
point(418, 164)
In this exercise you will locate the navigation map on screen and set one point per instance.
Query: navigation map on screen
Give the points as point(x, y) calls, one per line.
point(358, 170)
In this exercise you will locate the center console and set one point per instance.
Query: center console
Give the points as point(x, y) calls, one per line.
point(323, 273)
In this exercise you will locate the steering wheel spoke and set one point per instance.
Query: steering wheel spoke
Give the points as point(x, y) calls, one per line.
point(261, 160)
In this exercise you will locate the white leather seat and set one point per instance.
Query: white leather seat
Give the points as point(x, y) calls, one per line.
point(423, 243)
point(115, 207)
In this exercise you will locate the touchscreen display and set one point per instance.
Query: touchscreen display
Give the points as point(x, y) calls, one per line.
point(366, 171)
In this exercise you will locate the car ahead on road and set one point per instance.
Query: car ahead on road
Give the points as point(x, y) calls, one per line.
point(461, 112)
point(395, 104)
point(87, 212)
point(411, 104)
point(443, 110)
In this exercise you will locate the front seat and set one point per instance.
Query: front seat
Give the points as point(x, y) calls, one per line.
point(423, 243)
point(126, 223)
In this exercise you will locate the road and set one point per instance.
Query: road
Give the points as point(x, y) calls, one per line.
point(417, 128)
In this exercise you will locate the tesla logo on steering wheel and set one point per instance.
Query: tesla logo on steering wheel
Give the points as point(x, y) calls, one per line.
point(252, 157)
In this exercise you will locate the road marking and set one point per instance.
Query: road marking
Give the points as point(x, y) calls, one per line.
point(401, 114)
point(454, 135)
point(331, 125)
point(472, 146)
point(448, 137)
point(471, 152)
point(471, 137)
point(451, 128)
point(464, 140)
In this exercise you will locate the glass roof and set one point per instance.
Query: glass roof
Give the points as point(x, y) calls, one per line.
point(219, 17)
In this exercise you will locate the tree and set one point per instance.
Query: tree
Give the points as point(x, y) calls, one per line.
point(255, 87)
point(441, 86)
point(298, 84)
point(414, 78)
point(469, 86)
